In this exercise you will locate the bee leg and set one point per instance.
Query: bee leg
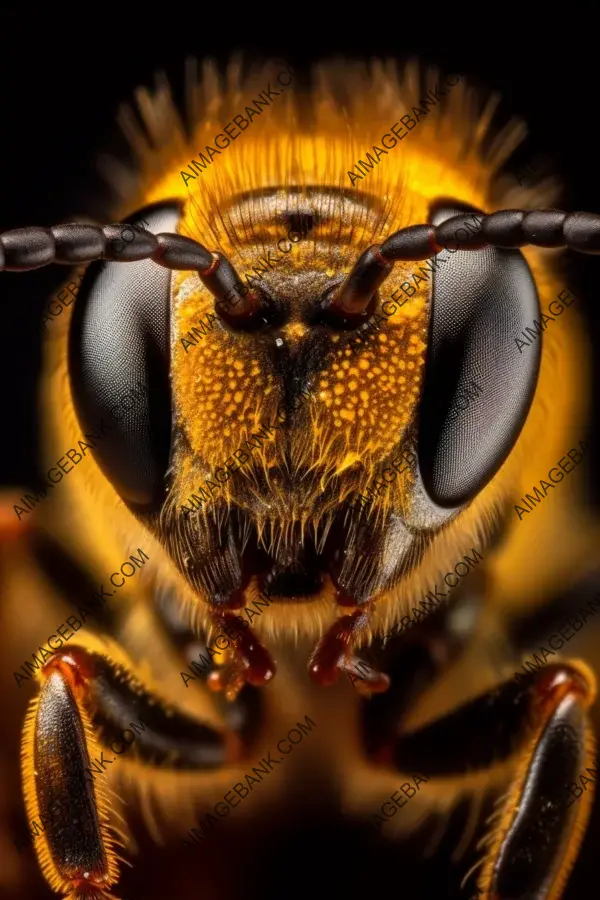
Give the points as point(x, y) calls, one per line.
point(538, 834)
point(76, 850)
point(541, 820)
point(333, 655)
point(83, 692)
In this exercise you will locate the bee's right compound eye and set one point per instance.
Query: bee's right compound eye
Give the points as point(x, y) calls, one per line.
point(481, 300)
point(119, 342)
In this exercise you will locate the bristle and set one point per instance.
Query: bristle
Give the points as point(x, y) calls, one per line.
point(308, 138)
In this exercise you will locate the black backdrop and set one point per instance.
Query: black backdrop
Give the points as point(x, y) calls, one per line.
point(63, 75)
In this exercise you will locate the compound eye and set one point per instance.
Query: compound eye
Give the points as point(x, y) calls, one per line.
point(478, 385)
point(119, 346)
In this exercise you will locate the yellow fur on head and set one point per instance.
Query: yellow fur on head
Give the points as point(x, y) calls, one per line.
point(364, 400)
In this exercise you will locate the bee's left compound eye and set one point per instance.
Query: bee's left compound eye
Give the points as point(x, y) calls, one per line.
point(481, 301)
point(119, 343)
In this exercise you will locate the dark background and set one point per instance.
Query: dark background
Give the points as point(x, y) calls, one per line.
point(63, 75)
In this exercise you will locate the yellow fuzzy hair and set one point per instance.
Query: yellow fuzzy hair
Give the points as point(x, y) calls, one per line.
point(315, 139)
point(32, 769)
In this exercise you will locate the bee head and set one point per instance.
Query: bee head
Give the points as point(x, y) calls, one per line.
point(285, 434)
point(310, 428)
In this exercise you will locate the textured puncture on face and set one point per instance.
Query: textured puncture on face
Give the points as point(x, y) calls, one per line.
point(366, 383)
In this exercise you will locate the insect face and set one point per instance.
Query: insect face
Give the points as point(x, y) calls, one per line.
point(305, 433)
point(250, 502)
point(304, 405)
point(348, 424)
